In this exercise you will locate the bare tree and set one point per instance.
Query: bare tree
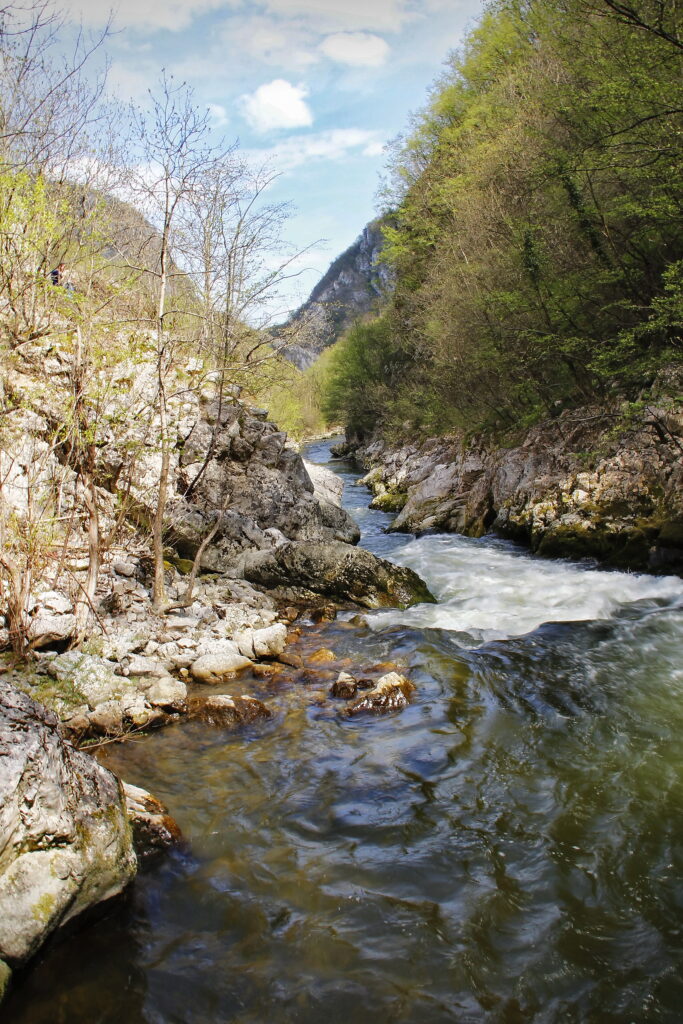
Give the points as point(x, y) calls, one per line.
point(175, 151)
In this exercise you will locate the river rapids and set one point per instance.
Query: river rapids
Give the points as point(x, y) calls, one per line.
point(507, 849)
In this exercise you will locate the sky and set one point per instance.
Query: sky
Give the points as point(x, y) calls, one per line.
point(316, 86)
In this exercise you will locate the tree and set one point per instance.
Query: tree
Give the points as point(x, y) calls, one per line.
point(173, 138)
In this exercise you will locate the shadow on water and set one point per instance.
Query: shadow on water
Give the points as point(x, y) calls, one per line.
point(506, 849)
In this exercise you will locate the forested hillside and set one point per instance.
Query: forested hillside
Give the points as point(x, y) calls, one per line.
point(353, 285)
point(537, 243)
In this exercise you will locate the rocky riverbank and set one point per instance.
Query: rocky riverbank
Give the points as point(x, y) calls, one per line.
point(279, 546)
point(592, 482)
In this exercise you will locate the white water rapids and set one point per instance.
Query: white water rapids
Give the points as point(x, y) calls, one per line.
point(491, 590)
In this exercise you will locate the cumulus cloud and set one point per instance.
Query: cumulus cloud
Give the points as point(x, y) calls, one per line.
point(334, 144)
point(360, 49)
point(276, 105)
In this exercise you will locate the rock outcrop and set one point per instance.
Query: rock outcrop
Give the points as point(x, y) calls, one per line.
point(65, 840)
point(583, 484)
point(339, 571)
point(354, 284)
point(235, 473)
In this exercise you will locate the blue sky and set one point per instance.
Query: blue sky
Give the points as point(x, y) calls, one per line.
point(318, 86)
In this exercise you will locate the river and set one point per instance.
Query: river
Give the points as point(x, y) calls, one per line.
point(507, 849)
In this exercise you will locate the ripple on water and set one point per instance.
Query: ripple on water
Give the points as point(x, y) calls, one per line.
point(507, 849)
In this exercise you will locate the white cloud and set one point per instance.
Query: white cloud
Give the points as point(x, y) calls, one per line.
point(347, 15)
point(141, 14)
point(375, 148)
point(285, 44)
point(359, 49)
point(276, 105)
point(334, 144)
point(218, 113)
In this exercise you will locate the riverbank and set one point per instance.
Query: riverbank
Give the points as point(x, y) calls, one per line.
point(593, 482)
point(505, 846)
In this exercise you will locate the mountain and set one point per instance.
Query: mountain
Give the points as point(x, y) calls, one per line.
point(355, 283)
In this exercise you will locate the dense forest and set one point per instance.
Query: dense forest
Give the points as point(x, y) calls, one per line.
point(537, 240)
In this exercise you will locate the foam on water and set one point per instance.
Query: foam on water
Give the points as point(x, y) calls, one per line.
point(492, 590)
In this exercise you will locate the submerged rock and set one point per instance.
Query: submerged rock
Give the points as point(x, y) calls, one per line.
point(392, 692)
point(65, 840)
point(345, 686)
point(224, 711)
point(337, 570)
point(154, 830)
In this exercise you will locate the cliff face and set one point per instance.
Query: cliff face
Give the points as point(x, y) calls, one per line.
point(587, 484)
point(353, 285)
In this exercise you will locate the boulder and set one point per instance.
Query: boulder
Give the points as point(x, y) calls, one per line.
point(47, 628)
point(262, 643)
point(224, 711)
point(167, 693)
point(88, 678)
point(327, 486)
point(65, 840)
point(337, 570)
point(217, 667)
point(392, 692)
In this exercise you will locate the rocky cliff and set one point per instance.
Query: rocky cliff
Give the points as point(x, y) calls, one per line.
point(354, 285)
point(594, 482)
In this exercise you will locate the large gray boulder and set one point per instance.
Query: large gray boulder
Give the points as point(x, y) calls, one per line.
point(339, 571)
point(65, 839)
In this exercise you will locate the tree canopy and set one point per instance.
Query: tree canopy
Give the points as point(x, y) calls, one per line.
point(537, 239)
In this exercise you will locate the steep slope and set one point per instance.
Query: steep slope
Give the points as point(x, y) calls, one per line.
point(354, 284)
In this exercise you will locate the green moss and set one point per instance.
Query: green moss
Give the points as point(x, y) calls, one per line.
point(625, 549)
point(59, 696)
point(390, 501)
point(5, 978)
point(43, 909)
point(671, 535)
point(183, 565)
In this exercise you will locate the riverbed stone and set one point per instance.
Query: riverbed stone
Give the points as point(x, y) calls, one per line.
point(345, 686)
point(107, 718)
point(47, 629)
point(154, 830)
point(225, 711)
point(216, 668)
point(392, 692)
point(268, 642)
point(167, 693)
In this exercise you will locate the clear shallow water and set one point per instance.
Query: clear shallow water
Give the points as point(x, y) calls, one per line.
point(507, 849)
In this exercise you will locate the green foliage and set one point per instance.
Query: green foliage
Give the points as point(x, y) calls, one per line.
point(362, 373)
point(536, 239)
point(295, 398)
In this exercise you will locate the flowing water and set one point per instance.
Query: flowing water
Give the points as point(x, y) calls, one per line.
point(507, 849)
